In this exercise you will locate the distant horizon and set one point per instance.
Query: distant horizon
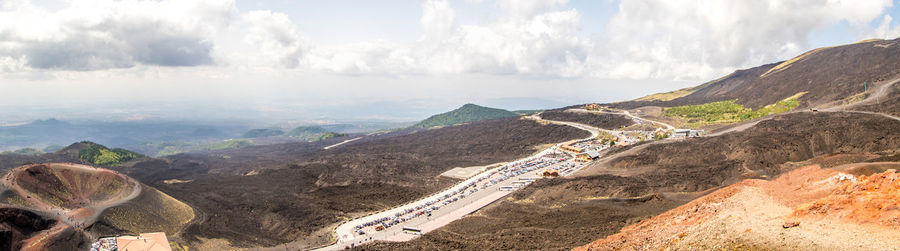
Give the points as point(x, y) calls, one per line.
point(284, 62)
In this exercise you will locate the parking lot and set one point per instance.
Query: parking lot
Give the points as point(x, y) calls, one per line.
point(410, 220)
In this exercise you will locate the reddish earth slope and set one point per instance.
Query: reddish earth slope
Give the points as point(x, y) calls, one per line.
point(808, 209)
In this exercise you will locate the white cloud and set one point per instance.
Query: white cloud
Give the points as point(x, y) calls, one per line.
point(277, 37)
point(540, 45)
point(701, 39)
point(376, 57)
point(523, 42)
point(98, 35)
point(529, 8)
point(885, 31)
point(657, 39)
point(437, 20)
point(682, 40)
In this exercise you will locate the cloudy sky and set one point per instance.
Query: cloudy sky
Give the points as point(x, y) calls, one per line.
point(286, 60)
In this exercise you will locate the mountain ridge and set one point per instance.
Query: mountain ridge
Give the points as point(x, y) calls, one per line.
point(464, 114)
point(822, 72)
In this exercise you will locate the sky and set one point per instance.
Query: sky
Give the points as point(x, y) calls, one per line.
point(401, 60)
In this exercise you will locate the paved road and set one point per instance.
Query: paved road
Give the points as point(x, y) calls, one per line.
point(346, 235)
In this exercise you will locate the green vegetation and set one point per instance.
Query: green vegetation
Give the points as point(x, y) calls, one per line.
point(715, 111)
point(466, 113)
point(329, 135)
point(170, 148)
point(312, 133)
point(100, 155)
point(605, 137)
point(729, 112)
point(305, 133)
point(660, 136)
point(258, 133)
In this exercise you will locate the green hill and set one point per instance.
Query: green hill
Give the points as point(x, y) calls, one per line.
point(258, 133)
point(311, 133)
point(464, 114)
point(96, 154)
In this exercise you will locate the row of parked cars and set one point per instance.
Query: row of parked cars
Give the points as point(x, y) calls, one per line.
point(507, 171)
point(423, 209)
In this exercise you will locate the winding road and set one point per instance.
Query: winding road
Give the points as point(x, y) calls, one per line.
point(346, 237)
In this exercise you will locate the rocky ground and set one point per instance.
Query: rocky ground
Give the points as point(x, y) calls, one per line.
point(268, 195)
point(809, 208)
point(599, 120)
point(562, 213)
point(824, 74)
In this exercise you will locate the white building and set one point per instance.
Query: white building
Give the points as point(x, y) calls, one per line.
point(687, 133)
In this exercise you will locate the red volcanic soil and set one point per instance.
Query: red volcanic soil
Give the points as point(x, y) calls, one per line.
point(809, 209)
point(871, 199)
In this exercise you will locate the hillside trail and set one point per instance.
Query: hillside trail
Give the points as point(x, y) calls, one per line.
point(879, 93)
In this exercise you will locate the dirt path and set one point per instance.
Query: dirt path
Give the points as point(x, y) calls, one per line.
point(876, 96)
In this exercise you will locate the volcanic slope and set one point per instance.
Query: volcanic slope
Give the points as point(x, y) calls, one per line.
point(17, 225)
point(649, 179)
point(830, 76)
point(599, 120)
point(806, 209)
point(298, 191)
point(74, 196)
